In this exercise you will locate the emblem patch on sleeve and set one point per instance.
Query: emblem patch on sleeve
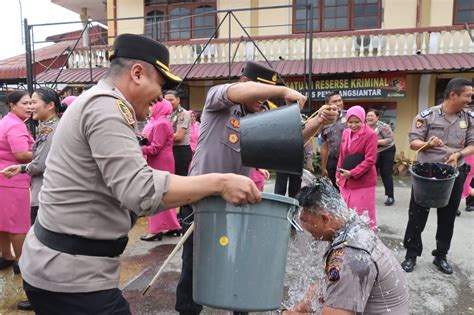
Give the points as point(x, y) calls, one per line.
point(126, 113)
point(419, 123)
point(334, 264)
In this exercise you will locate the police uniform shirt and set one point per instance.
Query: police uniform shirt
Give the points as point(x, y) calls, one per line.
point(363, 275)
point(454, 130)
point(384, 132)
point(333, 134)
point(40, 151)
point(96, 182)
point(218, 148)
point(181, 118)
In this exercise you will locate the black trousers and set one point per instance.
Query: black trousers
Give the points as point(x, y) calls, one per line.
point(470, 199)
point(182, 158)
point(103, 302)
point(33, 214)
point(385, 162)
point(184, 291)
point(293, 181)
point(331, 167)
point(418, 215)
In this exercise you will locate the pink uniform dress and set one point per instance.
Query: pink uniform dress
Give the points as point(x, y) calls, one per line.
point(194, 135)
point(14, 192)
point(258, 179)
point(159, 154)
point(359, 190)
point(467, 184)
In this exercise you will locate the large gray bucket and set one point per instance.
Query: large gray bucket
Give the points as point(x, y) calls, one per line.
point(240, 252)
point(273, 140)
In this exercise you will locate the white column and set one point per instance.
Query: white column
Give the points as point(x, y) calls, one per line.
point(424, 91)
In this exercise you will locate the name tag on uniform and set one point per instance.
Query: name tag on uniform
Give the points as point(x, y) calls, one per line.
point(463, 124)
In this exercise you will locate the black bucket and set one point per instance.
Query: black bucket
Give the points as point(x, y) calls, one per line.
point(273, 140)
point(433, 183)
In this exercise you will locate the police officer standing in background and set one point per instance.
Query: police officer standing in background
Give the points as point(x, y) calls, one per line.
point(447, 134)
point(97, 182)
point(218, 148)
point(331, 136)
point(181, 121)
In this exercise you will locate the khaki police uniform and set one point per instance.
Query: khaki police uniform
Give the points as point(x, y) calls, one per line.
point(96, 183)
point(37, 166)
point(363, 275)
point(386, 156)
point(180, 118)
point(332, 134)
point(457, 132)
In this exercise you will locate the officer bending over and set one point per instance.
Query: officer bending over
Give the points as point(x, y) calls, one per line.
point(362, 274)
point(97, 182)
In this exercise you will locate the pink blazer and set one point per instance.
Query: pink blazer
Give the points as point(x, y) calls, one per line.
point(364, 142)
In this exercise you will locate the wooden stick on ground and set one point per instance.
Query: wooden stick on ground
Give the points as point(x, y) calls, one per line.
point(173, 253)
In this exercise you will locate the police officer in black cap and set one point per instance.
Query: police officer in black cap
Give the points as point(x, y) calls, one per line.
point(97, 183)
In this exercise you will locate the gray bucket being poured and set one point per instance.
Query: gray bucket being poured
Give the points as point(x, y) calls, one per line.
point(240, 252)
point(433, 183)
point(273, 140)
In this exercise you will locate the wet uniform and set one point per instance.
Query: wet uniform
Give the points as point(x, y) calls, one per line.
point(386, 156)
point(95, 184)
point(363, 275)
point(457, 132)
point(182, 152)
point(37, 166)
point(333, 134)
point(217, 151)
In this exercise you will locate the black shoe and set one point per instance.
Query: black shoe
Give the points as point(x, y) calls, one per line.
point(390, 201)
point(24, 306)
point(4, 263)
point(443, 265)
point(16, 268)
point(154, 237)
point(458, 213)
point(409, 264)
point(469, 208)
point(173, 233)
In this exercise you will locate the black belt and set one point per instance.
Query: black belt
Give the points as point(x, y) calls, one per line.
point(78, 245)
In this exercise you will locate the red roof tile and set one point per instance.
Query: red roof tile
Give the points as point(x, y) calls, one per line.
point(290, 68)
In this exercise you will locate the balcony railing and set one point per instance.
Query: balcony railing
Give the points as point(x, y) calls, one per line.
point(396, 42)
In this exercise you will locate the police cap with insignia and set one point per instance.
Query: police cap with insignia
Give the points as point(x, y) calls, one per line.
point(259, 73)
point(139, 47)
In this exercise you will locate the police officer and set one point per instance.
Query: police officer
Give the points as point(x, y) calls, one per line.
point(445, 134)
point(181, 121)
point(362, 274)
point(218, 149)
point(331, 137)
point(385, 152)
point(97, 182)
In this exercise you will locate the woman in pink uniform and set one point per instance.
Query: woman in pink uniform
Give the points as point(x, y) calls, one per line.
point(357, 185)
point(15, 148)
point(194, 135)
point(159, 154)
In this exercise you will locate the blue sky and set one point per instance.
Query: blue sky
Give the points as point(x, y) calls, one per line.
point(37, 12)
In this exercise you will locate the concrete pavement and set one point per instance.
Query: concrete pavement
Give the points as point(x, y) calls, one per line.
point(431, 291)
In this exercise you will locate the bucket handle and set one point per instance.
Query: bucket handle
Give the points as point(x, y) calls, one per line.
point(291, 218)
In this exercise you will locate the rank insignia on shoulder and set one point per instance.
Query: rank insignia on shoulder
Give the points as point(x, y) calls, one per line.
point(45, 131)
point(426, 113)
point(471, 114)
point(125, 111)
point(233, 138)
point(234, 123)
point(419, 123)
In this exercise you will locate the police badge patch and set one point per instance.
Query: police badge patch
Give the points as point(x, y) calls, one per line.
point(334, 264)
point(419, 123)
point(125, 111)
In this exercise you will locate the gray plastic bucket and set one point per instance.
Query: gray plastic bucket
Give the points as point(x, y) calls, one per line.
point(273, 140)
point(433, 183)
point(240, 252)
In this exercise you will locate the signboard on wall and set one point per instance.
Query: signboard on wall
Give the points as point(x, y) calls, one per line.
point(362, 86)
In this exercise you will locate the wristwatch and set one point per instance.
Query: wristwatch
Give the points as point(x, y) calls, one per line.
point(460, 154)
point(23, 168)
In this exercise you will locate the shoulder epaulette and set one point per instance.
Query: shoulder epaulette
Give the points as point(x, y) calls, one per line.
point(471, 114)
point(426, 113)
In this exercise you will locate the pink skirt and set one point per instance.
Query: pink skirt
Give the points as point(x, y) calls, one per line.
point(361, 200)
point(163, 221)
point(14, 210)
